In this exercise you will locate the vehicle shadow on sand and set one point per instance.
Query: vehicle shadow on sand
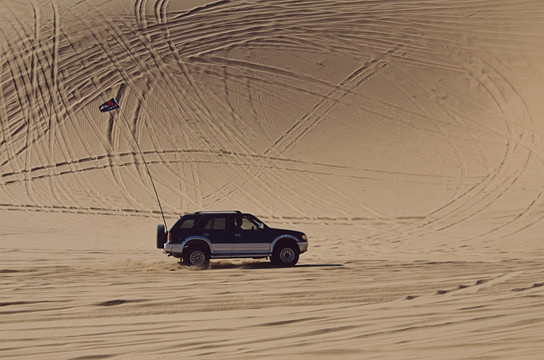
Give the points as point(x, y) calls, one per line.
point(217, 265)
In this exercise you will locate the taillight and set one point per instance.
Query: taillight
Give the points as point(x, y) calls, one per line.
point(168, 236)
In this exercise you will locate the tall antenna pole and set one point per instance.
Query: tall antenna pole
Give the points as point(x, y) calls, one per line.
point(111, 105)
point(146, 168)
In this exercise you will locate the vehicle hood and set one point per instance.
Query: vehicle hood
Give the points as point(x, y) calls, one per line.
point(295, 233)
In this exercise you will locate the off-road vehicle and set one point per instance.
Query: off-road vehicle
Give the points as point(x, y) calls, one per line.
point(198, 237)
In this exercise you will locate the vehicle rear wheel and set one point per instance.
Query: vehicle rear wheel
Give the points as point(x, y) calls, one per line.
point(196, 256)
point(285, 255)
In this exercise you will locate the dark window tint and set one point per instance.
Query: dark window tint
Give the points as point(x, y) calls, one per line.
point(216, 223)
point(187, 224)
point(220, 223)
point(209, 224)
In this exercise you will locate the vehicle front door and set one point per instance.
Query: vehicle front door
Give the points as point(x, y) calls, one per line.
point(248, 238)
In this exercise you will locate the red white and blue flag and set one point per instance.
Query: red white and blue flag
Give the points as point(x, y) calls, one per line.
point(109, 105)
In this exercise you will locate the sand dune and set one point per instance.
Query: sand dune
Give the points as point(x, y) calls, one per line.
point(405, 137)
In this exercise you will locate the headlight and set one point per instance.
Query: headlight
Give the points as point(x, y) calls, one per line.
point(304, 237)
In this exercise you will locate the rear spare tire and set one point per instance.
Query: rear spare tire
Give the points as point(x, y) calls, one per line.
point(161, 236)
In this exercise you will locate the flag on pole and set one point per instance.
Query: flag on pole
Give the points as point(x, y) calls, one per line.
point(109, 105)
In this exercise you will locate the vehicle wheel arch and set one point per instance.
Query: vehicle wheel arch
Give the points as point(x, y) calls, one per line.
point(197, 241)
point(196, 252)
point(282, 239)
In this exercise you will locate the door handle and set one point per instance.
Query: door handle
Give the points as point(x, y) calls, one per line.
point(206, 234)
point(237, 235)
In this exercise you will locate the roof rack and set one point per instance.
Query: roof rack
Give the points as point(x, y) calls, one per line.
point(220, 212)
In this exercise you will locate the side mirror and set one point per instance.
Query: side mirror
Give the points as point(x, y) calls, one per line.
point(261, 226)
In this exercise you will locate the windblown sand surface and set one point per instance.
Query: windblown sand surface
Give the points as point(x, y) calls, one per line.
point(406, 138)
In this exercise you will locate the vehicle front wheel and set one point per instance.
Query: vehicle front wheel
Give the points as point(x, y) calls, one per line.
point(285, 255)
point(196, 256)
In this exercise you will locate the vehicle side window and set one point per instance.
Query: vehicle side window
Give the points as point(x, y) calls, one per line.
point(248, 224)
point(209, 224)
point(245, 223)
point(216, 223)
point(220, 223)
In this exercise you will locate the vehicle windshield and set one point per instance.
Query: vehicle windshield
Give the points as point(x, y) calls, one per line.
point(260, 222)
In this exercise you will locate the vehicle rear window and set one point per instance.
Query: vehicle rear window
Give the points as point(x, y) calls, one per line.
point(187, 224)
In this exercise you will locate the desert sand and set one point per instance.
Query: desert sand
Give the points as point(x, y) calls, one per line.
point(404, 137)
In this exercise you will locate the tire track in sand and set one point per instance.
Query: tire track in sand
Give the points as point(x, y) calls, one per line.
point(500, 69)
point(310, 181)
point(493, 187)
point(49, 71)
point(326, 104)
point(139, 13)
point(142, 101)
point(421, 228)
point(329, 101)
point(521, 155)
point(6, 134)
point(205, 114)
point(27, 111)
point(123, 190)
point(271, 181)
point(117, 59)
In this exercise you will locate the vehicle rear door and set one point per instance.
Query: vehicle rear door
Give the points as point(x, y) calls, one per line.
point(219, 231)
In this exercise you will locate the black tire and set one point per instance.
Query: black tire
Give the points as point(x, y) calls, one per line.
point(196, 256)
point(285, 254)
point(161, 236)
